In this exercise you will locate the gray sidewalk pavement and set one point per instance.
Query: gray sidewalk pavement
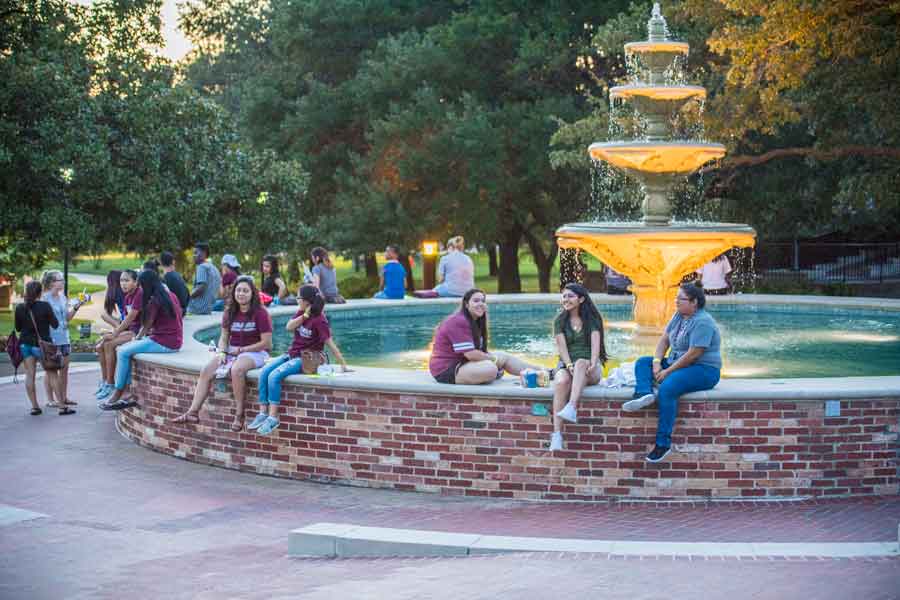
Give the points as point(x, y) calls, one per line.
point(86, 514)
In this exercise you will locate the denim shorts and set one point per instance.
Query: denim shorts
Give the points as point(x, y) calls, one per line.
point(31, 351)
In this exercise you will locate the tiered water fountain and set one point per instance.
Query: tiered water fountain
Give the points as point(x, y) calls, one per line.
point(656, 253)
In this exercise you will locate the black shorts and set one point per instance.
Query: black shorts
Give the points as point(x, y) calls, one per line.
point(448, 375)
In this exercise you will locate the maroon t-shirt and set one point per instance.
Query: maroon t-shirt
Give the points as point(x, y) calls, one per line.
point(166, 330)
point(133, 302)
point(246, 329)
point(228, 278)
point(311, 335)
point(451, 341)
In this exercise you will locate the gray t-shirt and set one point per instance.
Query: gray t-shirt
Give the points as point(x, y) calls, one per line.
point(206, 273)
point(60, 306)
point(457, 272)
point(327, 280)
point(697, 331)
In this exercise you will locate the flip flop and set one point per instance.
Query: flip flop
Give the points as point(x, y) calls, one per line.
point(36, 411)
point(187, 417)
point(52, 404)
point(237, 426)
point(71, 402)
point(66, 411)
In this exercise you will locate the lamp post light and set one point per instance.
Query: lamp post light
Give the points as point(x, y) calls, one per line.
point(429, 262)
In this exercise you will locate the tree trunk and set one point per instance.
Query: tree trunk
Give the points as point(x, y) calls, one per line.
point(492, 259)
point(371, 266)
point(544, 261)
point(403, 259)
point(508, 280)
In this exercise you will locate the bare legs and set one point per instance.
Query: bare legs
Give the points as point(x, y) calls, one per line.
point(30, 374)
point(108, 355)
point(485, 371)
point(567, 392)
point(238, 383)
point(56, 384)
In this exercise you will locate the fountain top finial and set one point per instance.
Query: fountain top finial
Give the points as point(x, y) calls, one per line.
point(657, 31)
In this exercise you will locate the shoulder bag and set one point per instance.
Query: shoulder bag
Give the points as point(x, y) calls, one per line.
point(51, 355)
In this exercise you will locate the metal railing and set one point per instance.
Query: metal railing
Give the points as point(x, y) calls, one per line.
point(827, 262)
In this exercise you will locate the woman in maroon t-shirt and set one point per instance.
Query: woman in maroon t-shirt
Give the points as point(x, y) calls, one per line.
point(244, 345)
point(311, 333)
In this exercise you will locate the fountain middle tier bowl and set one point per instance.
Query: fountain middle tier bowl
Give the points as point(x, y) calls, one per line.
point(648, 47)
point(658, 92)
point(657, 158)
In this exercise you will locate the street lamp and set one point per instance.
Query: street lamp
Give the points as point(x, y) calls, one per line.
point(429, 261)
point(66, 174)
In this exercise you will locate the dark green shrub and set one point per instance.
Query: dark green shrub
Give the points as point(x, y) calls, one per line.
point(357, 286)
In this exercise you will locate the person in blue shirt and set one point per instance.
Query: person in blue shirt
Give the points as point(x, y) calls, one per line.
point(393, 276)
point(693, 365)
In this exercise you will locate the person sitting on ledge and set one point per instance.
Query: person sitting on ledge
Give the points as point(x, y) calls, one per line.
point(311, 334)
point(578, 331)
point(243, 345)
point(693, 365)
point(456, 271)
point(393, 276)
point(459, 353)
point(160, 332)
point(231, 270)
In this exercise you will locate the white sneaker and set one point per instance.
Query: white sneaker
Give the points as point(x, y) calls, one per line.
point(568, 413)
point(639, 403)
point(556, 441)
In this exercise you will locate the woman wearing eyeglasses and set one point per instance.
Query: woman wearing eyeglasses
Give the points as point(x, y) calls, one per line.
point(693, 365)
point(243, 345)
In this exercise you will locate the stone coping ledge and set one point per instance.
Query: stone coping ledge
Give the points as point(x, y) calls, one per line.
point(194, 355)
point(345, 540)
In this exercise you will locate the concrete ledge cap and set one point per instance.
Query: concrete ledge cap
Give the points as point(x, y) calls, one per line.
point(350, 541)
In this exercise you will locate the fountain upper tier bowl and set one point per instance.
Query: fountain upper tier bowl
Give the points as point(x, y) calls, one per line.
point(665, 46)
point(658, 92)
point(657, 158)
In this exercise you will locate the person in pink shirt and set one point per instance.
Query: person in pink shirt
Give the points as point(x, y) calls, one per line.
point(243, 345)
point(160, 332)
point(459, 353)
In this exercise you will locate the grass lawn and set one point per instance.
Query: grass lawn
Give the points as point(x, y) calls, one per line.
point(75, 287)
point(7, 325)
point(105, 264)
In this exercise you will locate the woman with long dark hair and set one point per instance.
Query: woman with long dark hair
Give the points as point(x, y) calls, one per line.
point(693, 365)
point(123, 331)
point(160, 332)
point(34, 311)
point(312, 334)
point(272, 283)
point(113, 313)
point(243, 345)
point(460, 350)
point(578, 332)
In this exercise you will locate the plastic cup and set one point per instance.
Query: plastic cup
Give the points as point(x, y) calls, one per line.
point(531, 379)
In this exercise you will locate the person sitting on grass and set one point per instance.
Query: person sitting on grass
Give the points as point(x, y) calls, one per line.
point(160, 333)
point(459, 352)
point(244, 344)
point(693, 365)
point(122, 333)
point(33, 320)
point(393, 276)
point(311, 335)
point(578, 331)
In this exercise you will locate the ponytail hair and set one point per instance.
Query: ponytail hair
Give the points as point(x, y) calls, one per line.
point(321, 254)
point(315, 298)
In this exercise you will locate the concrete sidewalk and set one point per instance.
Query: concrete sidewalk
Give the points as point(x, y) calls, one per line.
point(86, 514)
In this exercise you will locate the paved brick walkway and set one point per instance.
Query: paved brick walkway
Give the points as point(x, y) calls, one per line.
point(123, 520)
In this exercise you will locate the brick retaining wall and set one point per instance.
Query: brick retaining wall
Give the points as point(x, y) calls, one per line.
point(490, 446)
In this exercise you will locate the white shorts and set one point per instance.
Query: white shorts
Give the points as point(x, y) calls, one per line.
point(258, 358)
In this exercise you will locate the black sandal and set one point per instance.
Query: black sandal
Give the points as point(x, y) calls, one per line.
point(66, 411)
point(36, 411)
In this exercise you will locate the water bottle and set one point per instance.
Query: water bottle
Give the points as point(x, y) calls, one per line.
point(276, 301)
point(212, 347)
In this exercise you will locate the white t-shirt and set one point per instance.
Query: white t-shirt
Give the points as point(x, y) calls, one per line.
point(713, 274)
point(457, 271)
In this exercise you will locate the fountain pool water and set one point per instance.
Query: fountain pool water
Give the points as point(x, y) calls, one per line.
point(760, 340)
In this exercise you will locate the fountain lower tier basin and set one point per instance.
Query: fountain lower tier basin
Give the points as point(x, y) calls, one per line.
point(655, 258)
point(767, 439)
point(642, 159)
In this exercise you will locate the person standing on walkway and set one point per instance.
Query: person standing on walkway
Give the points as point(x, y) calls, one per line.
point(693, 365)
point(161, 332)
point(206, 282)
point(578, 331)
point(34, 311)
point(715, 276)
point(57, 382)
point(244, 344)
point(174, 281)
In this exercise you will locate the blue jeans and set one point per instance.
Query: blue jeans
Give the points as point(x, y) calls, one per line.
point(443, 290)
point(271, 375)
point(218, 305)
point(694, 378)
point(383, 296)
point(126, 351)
